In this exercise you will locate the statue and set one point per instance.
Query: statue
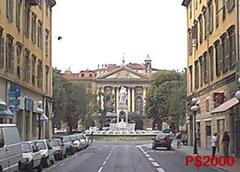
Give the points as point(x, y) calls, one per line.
point(123, 96)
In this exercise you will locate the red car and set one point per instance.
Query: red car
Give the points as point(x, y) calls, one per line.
point(162, 140)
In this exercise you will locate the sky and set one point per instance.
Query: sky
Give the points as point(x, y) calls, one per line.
point(96, 32)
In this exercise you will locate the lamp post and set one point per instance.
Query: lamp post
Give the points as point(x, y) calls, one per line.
point(195, 109)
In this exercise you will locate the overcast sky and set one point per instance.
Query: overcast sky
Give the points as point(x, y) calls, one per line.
point(100, 31)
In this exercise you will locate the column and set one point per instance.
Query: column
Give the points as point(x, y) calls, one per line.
point(129, 99)
point(117, 91)
point(133, 99)
point(101, 99)
point(144, 96)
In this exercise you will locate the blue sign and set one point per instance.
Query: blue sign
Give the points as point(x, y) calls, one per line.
point(28, 104)
point(15, 91)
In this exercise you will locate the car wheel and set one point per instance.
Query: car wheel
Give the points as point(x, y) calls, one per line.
point(39, 168)
point(153, 147)
point(47, 163)
point(169, 148)
point(53, 160)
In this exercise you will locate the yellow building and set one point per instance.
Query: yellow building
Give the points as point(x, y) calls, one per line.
point(212, 26)
point(26, 64)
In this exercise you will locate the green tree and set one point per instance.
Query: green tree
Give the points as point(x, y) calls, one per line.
point(73, 102)
point(166, 98)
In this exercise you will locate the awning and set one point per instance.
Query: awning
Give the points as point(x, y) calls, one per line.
point(3, 102)
point(226, 105)
point(6, 114)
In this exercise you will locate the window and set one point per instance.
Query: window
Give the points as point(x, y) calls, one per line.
point(47, 77)
point(47, 42)
point(196, 75)
point(82, 74)
point(33, 30)
point(39, 74)
point(10, 54)
point(190, 77)
point(206, 20)
point(205, 66)
point(19, 54)
point(1, 49)
point(230, 5)
point(217, 13)
point(190, 42)
point(232, 47)
point(39, 35)
point(201, 70)
point(200, 29)
point(9, 10)
point(226, 49)
point(210, 12)
point(26, 67)
point(18, 14)
point(195, 34)
point(223, 10)
point(218, 57)
point(211, 63)
point(34, 60)
point(26, 20)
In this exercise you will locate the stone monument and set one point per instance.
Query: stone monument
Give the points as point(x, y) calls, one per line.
point(122, 125)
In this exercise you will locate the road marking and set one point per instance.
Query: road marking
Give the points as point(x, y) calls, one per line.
point(104, 162)
point(147, 155)
point(155, 164)
point(160, 170)
point(150, 159)
point(100, 169)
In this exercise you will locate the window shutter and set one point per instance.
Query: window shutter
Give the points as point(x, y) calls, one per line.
point(7, 8)
point(220, 57)
point(12, 59)
point(1, 52)
point(233, 50)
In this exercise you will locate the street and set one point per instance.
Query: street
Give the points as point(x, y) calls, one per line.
point(131, 156)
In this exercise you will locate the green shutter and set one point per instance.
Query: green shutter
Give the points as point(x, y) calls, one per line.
point(1, 52)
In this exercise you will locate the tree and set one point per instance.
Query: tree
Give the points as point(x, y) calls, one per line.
point(73, 102)
point(166, 98)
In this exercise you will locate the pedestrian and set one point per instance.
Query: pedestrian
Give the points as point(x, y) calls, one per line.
point(179, 137)
point(214, 144)
point(225, 142)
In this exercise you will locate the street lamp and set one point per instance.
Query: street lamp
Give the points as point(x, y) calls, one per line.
point(195, 109)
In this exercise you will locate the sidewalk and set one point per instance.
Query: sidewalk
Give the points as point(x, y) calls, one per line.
point(188, 150)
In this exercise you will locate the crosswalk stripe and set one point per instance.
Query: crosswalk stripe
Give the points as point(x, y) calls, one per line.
point(160, 170)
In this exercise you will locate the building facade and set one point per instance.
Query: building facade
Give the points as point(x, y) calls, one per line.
point(213, 54)
point(110, 78)
point(26, 64)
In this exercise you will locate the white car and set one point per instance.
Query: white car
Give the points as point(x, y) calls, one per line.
point(46, 151)
point(31, 156)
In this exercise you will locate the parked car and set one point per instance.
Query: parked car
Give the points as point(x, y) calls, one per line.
point(10, 148)
point(83, 140)
point(162, 140)
point(31, 157)
point(59, 149)
point(46, 151)
point(66, 141)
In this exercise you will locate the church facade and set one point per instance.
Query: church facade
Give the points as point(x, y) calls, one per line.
point(109, 79)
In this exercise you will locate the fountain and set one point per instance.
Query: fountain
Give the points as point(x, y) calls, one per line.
point(121, 126)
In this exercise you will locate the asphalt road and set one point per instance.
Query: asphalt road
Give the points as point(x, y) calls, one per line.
point(125, 157)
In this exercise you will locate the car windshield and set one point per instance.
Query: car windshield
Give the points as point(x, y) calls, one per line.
point(41, 145)
point(160, 136)
point(55, 143)
point(26, 148)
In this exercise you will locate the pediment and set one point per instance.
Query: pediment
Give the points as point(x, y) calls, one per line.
point(123, 72)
